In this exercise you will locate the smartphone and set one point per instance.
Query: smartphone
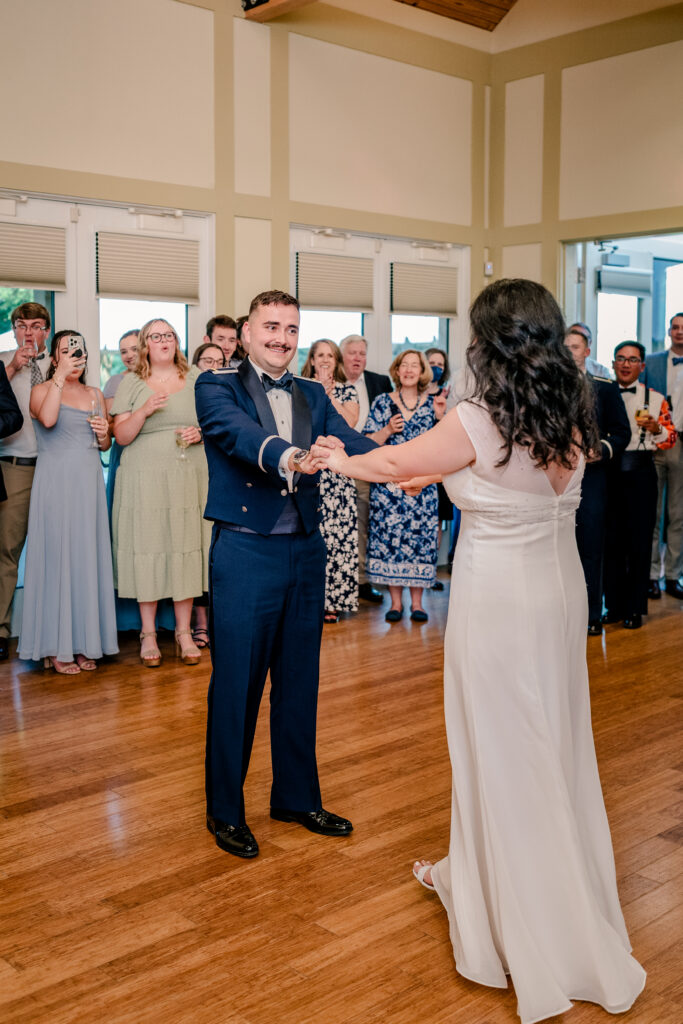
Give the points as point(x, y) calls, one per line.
point(76, 345)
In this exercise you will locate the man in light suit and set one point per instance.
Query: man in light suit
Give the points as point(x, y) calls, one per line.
point(664, 372)
point(267, 572)
point(368, 385)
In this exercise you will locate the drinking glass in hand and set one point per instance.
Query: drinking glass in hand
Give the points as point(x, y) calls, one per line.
point(181, 442)
point(96, 410)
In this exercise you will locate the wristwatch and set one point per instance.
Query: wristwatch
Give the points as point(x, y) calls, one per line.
point(299, 456)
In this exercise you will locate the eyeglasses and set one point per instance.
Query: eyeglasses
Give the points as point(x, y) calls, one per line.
point(21, 326)
point(168, 336)
point(632, 360)
point(208, 361)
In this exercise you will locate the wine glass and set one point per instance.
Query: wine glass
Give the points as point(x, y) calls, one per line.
point(95, 411)
point(181, 443)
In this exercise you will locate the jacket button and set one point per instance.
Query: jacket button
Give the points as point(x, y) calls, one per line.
point(283, 492)
point(249, 485)
point(244, 508)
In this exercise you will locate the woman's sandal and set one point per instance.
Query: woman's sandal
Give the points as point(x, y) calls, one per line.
point(188, 656)
point(420, 869)
point(153, 657)
point(85, 663)
point(331, 617)
point(200, 637)
point(63, 668)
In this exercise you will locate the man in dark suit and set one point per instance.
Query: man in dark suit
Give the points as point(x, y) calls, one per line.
point(267, 572)
point(614, 432)
point(664, 372)
point(368, 385)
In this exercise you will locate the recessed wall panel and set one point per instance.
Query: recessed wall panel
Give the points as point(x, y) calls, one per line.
point(622, 134)
point(368, 133)
point(524, 151)
point(252, 260)
point(522, 261)
point(251, 67)
point(123, 89)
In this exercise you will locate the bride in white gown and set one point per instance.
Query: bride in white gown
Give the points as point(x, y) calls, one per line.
point(529, 881)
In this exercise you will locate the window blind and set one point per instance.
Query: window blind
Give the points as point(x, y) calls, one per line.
point(32, 256)
point(334, 282)
point(424, 290)
point(142, 267)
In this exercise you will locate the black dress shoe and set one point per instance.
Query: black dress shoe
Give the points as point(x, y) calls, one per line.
point(674, 589)
point(394, 615)
point(653, 590)
point(4, 648)
point(419, 616)
point(595, 628)
point(437, 585)
point(236, 839)
point(609, 618)
point(369, 593)
point(633, 621)
point(323, 822)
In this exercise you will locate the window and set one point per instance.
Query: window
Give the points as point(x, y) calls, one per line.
point(325, 323)
point(421, 332)
point(10, 298)
point(120, 315)
point(617, 321)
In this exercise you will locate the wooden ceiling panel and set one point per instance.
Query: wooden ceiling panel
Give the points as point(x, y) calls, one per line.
point(484, 14)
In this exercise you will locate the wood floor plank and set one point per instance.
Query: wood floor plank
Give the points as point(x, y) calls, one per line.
point(116, 906)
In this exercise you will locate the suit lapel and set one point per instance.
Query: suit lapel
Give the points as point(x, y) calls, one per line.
point(254, 388)
point(302, 428)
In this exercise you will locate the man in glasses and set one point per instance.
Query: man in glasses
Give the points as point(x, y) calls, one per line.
point(664, 371)
point(632, 491)
point(26, 366)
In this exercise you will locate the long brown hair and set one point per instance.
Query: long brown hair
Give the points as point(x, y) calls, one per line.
point(308, 370)
point(142, 367)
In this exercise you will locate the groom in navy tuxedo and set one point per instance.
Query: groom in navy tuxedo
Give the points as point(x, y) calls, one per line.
point(267, 572)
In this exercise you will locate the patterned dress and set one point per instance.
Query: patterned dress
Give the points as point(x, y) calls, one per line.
point(339, 527)
point(402, 530)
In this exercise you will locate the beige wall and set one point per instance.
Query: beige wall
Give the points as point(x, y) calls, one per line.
point(329, 117)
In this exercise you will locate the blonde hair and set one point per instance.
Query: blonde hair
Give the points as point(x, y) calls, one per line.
point(142, 367)
point(426, 375)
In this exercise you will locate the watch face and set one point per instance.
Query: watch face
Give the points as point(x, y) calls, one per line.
point(300, 455)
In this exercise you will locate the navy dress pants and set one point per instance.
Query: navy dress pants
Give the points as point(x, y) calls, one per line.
point(590, 534)
point(267, 597)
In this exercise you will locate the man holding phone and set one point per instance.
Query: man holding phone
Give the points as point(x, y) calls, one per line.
point(26, 366)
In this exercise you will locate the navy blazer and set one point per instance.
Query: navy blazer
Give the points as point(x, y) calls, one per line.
point(613, 422)
point(377, 384)
point(654, 374)
point(243, 447)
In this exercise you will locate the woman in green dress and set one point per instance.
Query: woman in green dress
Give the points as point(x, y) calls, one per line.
point(160, 539)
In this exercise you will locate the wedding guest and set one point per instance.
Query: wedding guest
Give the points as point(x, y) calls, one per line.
point(402, 528)
point(339, 523)
point(128, 350)
point(441, 374)
point(222, 331)
point(25, 366)
point(69, 617)
point(209, 357)
point(10, 416)
point(160, 538)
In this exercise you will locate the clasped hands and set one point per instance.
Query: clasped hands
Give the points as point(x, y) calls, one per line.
point(328, 453)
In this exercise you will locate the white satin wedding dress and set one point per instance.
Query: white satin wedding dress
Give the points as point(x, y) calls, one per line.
point(529, 881)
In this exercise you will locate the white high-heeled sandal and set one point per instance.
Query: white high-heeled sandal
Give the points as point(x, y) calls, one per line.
point(421, 872)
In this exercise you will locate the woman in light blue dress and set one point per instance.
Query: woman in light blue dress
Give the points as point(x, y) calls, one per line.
point(69, 617)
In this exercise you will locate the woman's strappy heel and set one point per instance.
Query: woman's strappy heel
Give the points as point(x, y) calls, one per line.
point(186, 658)
point(153, 658)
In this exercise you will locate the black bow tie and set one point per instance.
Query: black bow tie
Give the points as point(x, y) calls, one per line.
point(632, 390)
point(676, 360)
point(284, 382)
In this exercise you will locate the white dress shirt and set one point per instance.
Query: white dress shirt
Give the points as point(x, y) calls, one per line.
point(674, 388)
point(23, 444)
point(363, 401)
point(280, 402)
point(649, 441)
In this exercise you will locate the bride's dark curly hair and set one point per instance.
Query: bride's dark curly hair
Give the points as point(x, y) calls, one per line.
point(525, 375)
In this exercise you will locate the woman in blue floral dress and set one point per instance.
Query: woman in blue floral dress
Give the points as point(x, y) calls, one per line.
point(403, 530)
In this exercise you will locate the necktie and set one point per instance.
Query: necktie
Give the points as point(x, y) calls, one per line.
point(284, 382)
point(631, 391)
point(676, 360)
point(36, 375)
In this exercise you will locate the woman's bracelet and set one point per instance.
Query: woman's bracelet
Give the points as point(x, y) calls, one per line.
point(58, 386)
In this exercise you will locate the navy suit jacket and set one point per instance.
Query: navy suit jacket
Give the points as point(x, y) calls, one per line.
point(377, 384)
point(654, 374)
point(613, 423)
point(243, 448)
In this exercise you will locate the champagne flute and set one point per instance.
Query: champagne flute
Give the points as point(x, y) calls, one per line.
point(95, 411)
point(181, 443)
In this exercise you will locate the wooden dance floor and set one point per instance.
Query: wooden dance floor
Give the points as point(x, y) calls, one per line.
point(116, 906)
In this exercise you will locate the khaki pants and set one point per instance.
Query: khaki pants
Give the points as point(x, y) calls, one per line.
point(13, 528)
point(669, 466)
point(363, 505)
